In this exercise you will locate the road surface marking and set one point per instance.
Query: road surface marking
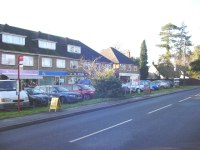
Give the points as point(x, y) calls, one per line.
point(83, 137)
point(159, 109)
point(197, 95)
point(184, 99)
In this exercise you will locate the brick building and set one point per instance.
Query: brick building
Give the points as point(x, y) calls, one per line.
point(47, 59)
point(125, 68)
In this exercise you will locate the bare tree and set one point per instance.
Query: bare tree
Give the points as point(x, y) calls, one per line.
point(90, 67)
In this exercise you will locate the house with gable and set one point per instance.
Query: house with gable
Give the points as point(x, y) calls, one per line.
point(47, 59)
point(125, 68)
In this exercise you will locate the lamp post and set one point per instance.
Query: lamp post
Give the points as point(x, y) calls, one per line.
point(20, 67)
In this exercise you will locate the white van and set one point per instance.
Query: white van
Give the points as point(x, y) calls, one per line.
point(9, 97)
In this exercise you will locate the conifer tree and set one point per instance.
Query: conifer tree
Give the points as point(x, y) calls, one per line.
point(143, 61)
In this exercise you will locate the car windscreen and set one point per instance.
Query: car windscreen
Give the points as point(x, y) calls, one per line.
point(61, 89)
point(86, 87)
point(36, 91)
point(8, 85)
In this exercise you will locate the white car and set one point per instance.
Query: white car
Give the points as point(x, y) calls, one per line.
point(131, 87)
point(9, 97)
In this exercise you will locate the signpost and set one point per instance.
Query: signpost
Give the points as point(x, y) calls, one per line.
point(20, 67)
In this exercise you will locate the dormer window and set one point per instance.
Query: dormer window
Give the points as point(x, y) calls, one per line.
point(74, 49)
point(46, 44)
point(13, 39)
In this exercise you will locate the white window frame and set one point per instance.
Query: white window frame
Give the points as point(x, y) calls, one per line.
point(135, 68)
point(46, 62)
point(73, 64)
point(86, 65)
point(129, 67)
point(108, 66)
point(98, 66)
point(123, 67)
point(46, 44)
point(13, 39)
point(60, 63)
point(28, 61)
point(74, 49)
point(8, 59)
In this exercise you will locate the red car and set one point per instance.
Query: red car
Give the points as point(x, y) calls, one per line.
point(86, 91)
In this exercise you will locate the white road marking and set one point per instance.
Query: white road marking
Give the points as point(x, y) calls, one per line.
point(159, 109)
point(197, 95)
point(83, 137)
point(184, 99)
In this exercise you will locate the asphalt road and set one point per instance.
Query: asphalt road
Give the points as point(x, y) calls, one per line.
point(162, 123)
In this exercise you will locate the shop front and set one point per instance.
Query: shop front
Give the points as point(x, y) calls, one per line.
point(74, 77)
point(52, 77)
point(29, 77)
point(130, 77)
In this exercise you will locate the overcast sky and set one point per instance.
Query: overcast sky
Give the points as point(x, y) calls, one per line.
point(104, 23)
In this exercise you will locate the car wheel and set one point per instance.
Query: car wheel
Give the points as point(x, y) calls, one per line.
point(138, 90)
point(86, 97)
point(34, 104)
point(62, 100)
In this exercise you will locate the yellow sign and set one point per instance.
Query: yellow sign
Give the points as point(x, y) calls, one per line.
point(55, 104)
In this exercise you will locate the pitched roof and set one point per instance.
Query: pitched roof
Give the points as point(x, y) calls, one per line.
point(31, 45)
point(116, 56)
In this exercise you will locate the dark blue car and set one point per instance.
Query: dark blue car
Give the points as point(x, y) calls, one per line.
point(62, 93)
point(37, 97)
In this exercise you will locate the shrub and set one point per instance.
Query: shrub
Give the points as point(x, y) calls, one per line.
point(108, 87)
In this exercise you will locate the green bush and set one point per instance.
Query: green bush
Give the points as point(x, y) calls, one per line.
point(108, 87)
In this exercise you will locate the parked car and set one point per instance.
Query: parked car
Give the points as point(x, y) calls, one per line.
point(85, 81)
point(131, 87)
point(86, 91)
point(8, 96)
point(153, 85)
point(37, 97)
point(61, 92)
point(162, 83)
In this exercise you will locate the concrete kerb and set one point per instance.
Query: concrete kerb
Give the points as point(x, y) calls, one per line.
point(18, 122)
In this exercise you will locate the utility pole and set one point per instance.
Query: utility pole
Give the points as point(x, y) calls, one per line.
point(184, 72)
point(20, 67)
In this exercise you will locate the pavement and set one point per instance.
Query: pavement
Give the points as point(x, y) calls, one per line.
point(12, 123)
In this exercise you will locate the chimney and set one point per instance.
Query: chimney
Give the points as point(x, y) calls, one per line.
point(128, 53)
